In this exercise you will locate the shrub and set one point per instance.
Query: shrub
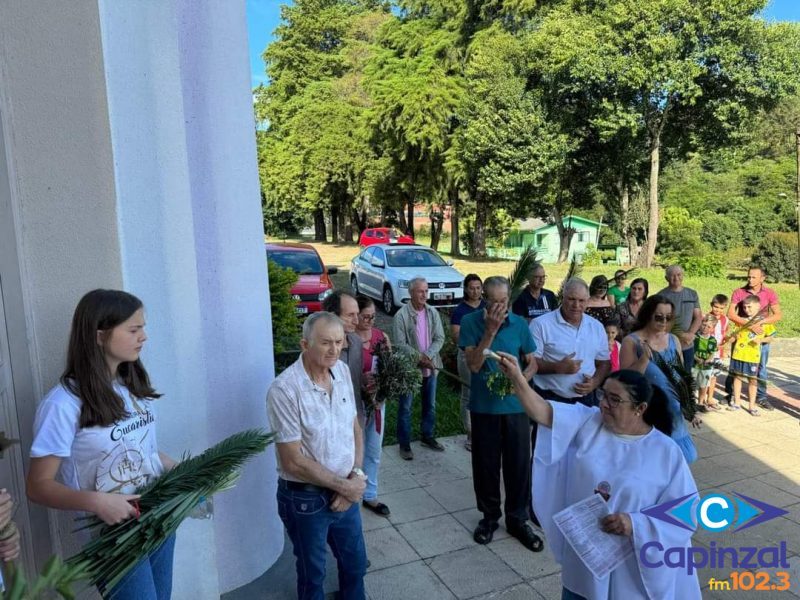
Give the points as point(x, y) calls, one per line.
point(739, 257)
point(592, 256)
point(708, 264)
point(679, 235)
point(719, 231)
point(285, 325)
point(777, 253)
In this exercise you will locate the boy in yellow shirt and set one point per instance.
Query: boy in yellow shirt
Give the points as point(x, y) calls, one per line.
point(747, 355)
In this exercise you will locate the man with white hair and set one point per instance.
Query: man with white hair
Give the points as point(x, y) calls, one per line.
point(571, 349)
point(417, 329)
point(687, 311)
point(319, 445)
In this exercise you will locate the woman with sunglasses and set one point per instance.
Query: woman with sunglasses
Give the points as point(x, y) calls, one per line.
point(652, 335)
point(600, 304)
point(621, 451)
point(372, 338)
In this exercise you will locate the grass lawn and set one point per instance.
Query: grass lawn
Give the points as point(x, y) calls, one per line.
point(448, 414)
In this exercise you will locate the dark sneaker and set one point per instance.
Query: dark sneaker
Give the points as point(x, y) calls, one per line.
point(484, 532)
point(526, 536)
point(765, 404)
point(379, 508)
point(406, 453)
point(432, 444)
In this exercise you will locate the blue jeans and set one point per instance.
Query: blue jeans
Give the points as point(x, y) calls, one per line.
point(428, 413)
point(372, 453)
point(150, 579)
point(762, 372)
point(688, 358)
point(311, 524)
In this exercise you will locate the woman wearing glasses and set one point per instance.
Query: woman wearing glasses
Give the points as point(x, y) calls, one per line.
point(620, 450)
point(652, 335)
point(372, 337)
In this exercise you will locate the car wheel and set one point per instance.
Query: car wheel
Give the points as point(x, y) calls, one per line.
point(388, 301)
point(354, 285)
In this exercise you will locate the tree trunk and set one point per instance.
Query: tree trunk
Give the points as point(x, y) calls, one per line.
point(320, 234)
point(410, 218)
point(437, 221)
point(646, 258)
point(455, 243)
point(479, 235)
point(401, 217)
point(564, 235)
point(341, 239)
point(360, 219)
point(627, 231)
point(334, 222)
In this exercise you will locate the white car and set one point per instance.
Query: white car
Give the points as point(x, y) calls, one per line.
point(383, 271)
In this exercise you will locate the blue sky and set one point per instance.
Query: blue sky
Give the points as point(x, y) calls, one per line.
point(263, 16)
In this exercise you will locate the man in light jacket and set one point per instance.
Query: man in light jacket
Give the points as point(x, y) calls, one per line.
point(417, 329)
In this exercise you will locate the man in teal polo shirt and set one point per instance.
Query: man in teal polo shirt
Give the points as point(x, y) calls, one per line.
point(500, 427)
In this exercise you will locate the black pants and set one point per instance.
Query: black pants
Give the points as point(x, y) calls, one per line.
point(501, 442)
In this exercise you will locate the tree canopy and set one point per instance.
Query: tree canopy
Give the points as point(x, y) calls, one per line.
point(534, 108)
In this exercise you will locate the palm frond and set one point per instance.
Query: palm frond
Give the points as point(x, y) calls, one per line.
point(747, 325)
point(628, 273)
point(56, 576)
point(574, 270)
point(164, 504)
point(521, 273)
point(682, 383)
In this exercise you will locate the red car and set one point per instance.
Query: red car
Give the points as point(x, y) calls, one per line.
point(313, 283)
point(383, 235)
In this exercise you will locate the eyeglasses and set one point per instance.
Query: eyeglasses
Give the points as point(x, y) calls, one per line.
point(367, 317)
point(663, 318)
point(539, 277)
point(612, 401)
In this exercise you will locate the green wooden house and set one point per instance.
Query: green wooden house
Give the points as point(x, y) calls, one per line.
point(543, 237)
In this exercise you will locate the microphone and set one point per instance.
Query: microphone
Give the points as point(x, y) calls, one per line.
point(604, 489)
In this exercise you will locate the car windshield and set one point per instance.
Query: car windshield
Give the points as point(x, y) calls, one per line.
point(416, 257)
point(304, 263)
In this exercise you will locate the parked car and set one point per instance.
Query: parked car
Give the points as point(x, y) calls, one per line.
point(314, 283)
point(383, 272)
point(383, 235)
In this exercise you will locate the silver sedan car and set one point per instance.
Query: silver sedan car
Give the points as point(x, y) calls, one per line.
point(383, 272)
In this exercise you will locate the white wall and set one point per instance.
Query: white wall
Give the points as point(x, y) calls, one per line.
point(133, 165)
point(189, 206)
point(62, 191)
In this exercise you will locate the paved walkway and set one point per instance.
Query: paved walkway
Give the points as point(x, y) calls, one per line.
point(425, 549)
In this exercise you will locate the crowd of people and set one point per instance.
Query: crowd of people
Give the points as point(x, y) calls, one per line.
point(590, 398)
point(559, 396)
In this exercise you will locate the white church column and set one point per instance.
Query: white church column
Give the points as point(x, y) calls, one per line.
point(192, 247)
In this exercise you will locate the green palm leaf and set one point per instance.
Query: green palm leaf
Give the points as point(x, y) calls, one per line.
point(682, 383)
point(164, 504)
point(574, 270)
point(521, 273)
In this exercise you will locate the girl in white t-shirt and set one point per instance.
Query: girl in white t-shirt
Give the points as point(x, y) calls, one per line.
point(94, 434)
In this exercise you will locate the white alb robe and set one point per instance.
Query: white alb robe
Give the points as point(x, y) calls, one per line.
point(578, 453)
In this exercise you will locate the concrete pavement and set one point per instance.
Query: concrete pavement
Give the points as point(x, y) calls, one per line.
point(425, 548)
